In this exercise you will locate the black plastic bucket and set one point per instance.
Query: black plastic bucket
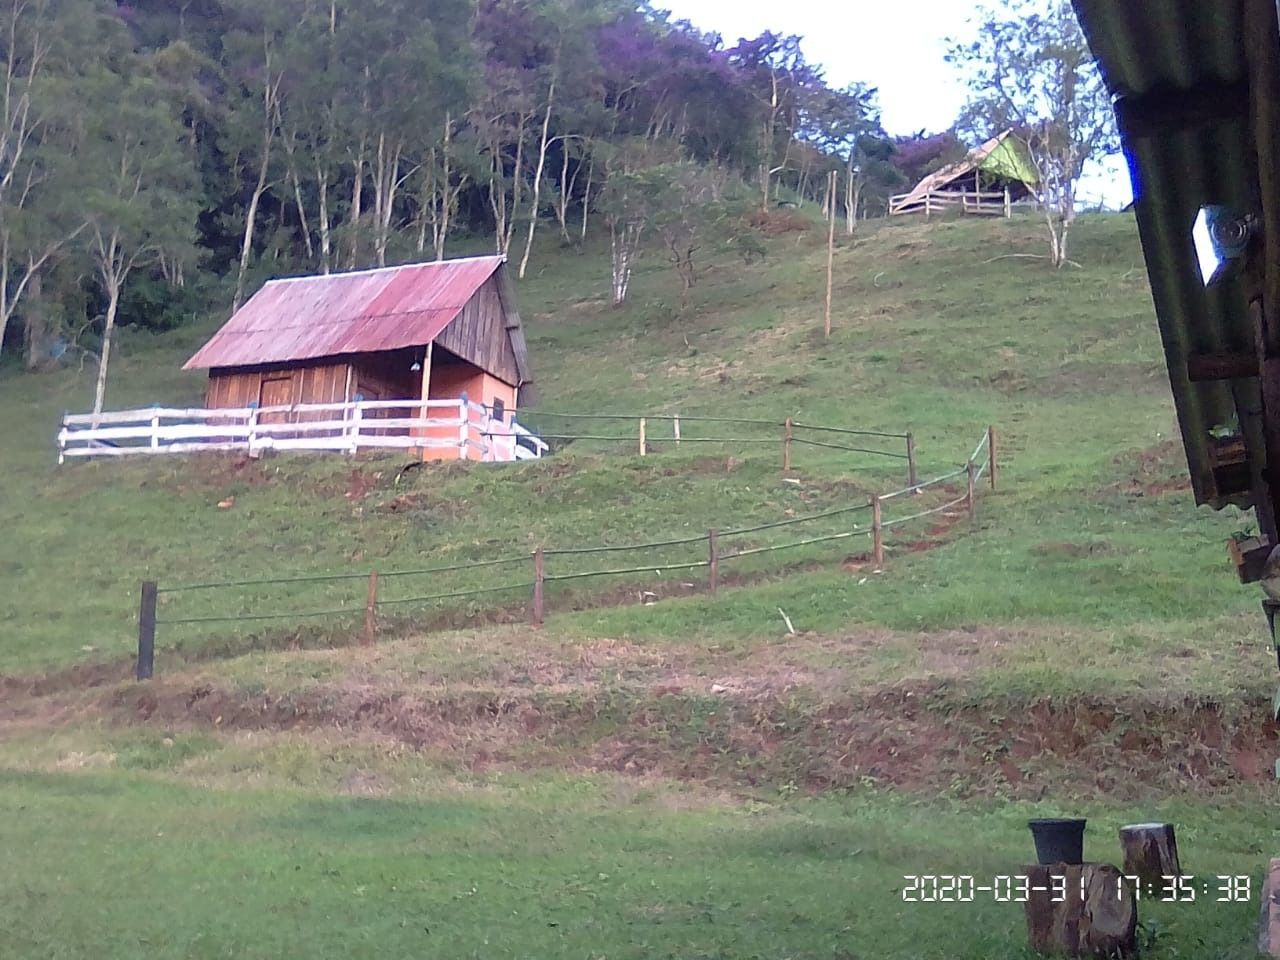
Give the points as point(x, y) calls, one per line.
point(1058, 841)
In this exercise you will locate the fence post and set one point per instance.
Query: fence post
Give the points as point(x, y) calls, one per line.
point(147, 631)
point(912, 476)
point(464, 414)
point(677, 429)
point(877, 532)
point(642, 436)
point(155, 428)
point(713, 562)
point(538, 579)
point(970, 499)
point(357, 414)
point(786, 445)
point(1008, 212)
point(991, 456)
point(371, 611)
point(251, 425)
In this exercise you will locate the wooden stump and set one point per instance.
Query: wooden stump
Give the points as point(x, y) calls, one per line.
point(1150, 853)
point(1269, 922)
point(1101, 923)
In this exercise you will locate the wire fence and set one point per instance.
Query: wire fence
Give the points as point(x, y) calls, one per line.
point(553, 570)
point(650, 433)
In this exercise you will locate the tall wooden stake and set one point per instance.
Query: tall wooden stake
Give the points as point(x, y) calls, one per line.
point(713, 562)
point(971, 499)
point(786, 445)
point(991, 455)
point(147, 631)
point(642, 436)
point(676, 428)
point(371, 611)
point(912, 477)
point(877, 532)
point(538, 576)
point(831, 249)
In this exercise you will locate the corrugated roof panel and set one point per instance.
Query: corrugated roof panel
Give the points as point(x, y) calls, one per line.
point(1174, 48)
point(371, 310)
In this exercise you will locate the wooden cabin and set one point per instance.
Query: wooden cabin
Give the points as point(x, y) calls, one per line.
point(424, 331)
point(988, 181)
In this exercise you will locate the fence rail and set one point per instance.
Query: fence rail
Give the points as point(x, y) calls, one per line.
point(454, 427)
point(981, 202)
point(718, 546)
point(458, 426)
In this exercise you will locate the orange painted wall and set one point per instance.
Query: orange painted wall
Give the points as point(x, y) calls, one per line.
point(451, 380)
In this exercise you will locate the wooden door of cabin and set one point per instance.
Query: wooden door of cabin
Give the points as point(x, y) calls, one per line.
point(275, 392)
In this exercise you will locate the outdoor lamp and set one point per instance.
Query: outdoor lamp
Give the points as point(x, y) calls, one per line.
point(1220, 236)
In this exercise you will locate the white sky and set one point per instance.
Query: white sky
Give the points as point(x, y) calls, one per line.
point(896, 46)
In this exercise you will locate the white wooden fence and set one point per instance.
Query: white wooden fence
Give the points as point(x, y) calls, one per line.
point(460, 426)
point(986, 203)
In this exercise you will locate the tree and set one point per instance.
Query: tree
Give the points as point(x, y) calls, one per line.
point(39, 51)
point(629, 200)
point(253, 123)
point(690, 211)
point(139, 202)
point(1030, 70)
point(781, 81)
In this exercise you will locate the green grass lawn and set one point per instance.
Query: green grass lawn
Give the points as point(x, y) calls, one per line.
point(681, 778)
point(126, 866)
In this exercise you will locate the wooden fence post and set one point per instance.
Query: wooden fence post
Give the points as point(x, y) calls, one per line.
point(912, 476)
point(991, 456)
point(147, 631)
point(713, 562)
point(371, 611)
point(786, 445)
point(1008, 210)
point(677, 429)
point(357, 413)
point(251, 425)
point(538, 578)
point(877, 532)
point(464, 429)
point(642, 445)
point(971, 500)
point(155, 429)
point(831, 247)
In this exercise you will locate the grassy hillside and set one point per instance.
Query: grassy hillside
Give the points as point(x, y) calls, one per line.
point(706, 784)
point(933, 332)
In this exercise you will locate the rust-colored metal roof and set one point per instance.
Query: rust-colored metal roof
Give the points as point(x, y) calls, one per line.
point(302, 318)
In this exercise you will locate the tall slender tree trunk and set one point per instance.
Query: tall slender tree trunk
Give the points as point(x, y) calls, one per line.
point(386, 173)
point(537, 178)
point(586, 198)
point(357, 211)
point(326, 248)
point(250, 219)
point(566, 188)
point(302, 214)
point(851, 192)
point(517, 184)
point(113, 303)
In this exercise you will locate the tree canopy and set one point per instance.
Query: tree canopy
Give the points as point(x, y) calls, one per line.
point(247, 139)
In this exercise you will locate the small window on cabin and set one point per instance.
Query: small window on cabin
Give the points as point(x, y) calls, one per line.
point(499, 410)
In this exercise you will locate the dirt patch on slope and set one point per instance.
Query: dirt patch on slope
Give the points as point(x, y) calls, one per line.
point(1153, 471)
point(919, 738)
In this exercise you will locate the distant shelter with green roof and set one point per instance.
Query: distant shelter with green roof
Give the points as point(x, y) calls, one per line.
point(988, 181)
